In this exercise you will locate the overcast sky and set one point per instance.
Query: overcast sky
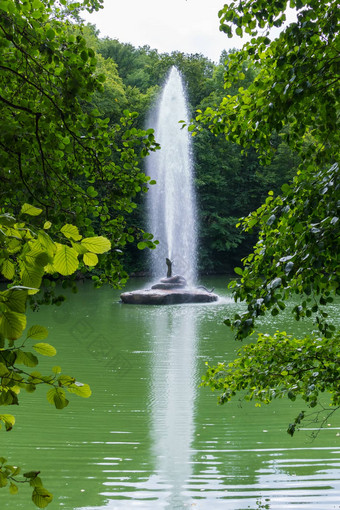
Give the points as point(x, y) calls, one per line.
point(190, 26)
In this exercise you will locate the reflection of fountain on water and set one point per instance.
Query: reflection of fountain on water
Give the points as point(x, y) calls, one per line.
point(171, 202)
point(173, 399)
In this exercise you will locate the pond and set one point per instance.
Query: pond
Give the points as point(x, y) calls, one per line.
point(150, 437)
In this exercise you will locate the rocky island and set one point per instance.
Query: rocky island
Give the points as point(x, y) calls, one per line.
point(169, 291)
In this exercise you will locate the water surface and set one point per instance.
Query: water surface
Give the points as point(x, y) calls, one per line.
point(149, 437)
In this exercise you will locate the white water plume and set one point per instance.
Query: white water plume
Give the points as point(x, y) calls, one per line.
point(171, 202)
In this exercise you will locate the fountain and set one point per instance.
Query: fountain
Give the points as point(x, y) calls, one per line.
point(171, 205)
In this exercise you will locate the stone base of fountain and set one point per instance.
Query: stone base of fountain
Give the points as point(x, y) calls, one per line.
point(169, 291)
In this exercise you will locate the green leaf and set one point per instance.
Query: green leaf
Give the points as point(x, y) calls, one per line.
point(90, 259)
point(80, 389)
point(37, 332)
point(36, 482)
point(15, 300)
point(56, 396)
point(8, 420)
point(46, 242)
point(30, 210)
point(50, 33)
point(71, 232)
point(91, 191)
point(31, 474)
point(12, 324)
point(79, 248)
point(8, 269)
point(65, 260)
point(26, 358)
point(45, 349)
point(98, 244)
point(41, 497)
point(31, 275)
point(298, 227)
point(13, 489)
point(238, 271)
point(3, 480)
point(3, 370)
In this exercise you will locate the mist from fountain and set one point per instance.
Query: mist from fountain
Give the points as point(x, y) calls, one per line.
point(171, 202)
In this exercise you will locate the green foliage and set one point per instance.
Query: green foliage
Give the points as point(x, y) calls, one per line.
point(69, 168)
point(230, 183)
point(27, 255)
point(297, 252)
point(57, 149)
point(296, 81)
point(295, 93)
point(280, 366)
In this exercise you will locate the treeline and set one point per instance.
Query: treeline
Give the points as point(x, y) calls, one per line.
point(230, 183)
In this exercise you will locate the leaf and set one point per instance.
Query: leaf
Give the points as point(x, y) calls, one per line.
point(3, 480)
point(238, 271)
point(41, 497)
point(3, 370)
point(26, 358)
point(37, 332)
point(13, 489)
point(56, 396)
point(65, 260)
point(50, 33)
point(15, 299)
point(36, 482)
point(45, 349)
point(298, 227)
point(80, 389)
point(8, 269)
point(30, 210)
point(47, 243)
point(31, 275)
point(42, 259)
point(98, 244)
point(71, 232)
point(8, 420)
point(12, 324)
point(90, 259)
point(31, 474)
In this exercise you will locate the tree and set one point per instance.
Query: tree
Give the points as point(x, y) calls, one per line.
point(27, 255)
point(231, 183)
point(55, 148)
point(73, 172)
point(295, 95)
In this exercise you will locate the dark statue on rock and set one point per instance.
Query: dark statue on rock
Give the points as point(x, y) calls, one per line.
point(169, 291)
point(169, 264)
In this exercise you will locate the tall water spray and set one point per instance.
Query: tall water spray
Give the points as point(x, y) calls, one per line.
point(171, 202)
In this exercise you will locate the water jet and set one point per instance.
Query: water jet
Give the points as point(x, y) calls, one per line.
point(171, 205)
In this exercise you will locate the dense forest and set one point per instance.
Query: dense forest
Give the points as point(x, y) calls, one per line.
point(230, 183)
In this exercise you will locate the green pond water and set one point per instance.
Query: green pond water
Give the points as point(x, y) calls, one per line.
point(149, 437)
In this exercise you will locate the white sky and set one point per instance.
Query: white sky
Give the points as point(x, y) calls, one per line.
point(190, 26)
